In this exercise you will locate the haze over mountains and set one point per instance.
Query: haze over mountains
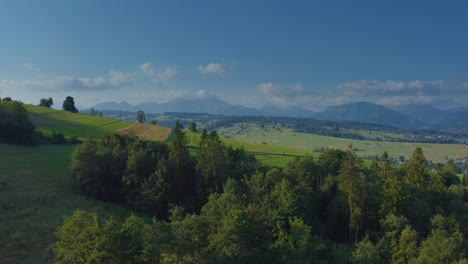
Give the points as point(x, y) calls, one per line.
point(411, 116)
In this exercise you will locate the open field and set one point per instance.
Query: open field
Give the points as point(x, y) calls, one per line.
point(36, 192)
point(268, 154)
point(78, 125)
point(147, 132)
point(282, 137)
point(83, 126)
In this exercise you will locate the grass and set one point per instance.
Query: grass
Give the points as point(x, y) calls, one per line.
point(148, 132)
point(268, 154)
point(78, 125)
point(309, 142)
point(35, 195)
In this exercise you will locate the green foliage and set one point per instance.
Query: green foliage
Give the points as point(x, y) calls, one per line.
point(69, 105)
point(444, 244)
point(140, 116)
point(211, 164)
point(77, 239)
point(124, 170)
point(46, 102)
point(352, 182)
point(366, 252)
point(193, 127)
point(57, 138)
point(254, 214)
point(84, 239)
point(238, 238)
point(15, 126)
point(80, 126)
point(417, 170)
point(392, 186)
point(407, 249)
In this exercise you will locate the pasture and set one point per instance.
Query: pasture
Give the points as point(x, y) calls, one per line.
point(286, 137)
point(36, 192)
point(73, 125)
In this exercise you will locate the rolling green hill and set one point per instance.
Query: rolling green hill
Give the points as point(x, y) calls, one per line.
point(282, 137)
point(36, 192)
point(268, 154)
point(78, 125)
point(83, 126)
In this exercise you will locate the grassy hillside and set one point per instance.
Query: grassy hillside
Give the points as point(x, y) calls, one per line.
point(35, 195)
point(147, 132)
point(268, 154)
point(282, 137)
point(83, 126)
point(78, 125)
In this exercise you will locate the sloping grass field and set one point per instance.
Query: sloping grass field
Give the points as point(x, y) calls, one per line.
point(147, 132)
point(35, 194)
point(282, 137)
point(268, 154)
point(78, 125)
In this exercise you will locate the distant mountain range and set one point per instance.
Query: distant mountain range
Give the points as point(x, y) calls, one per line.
point(415, 116)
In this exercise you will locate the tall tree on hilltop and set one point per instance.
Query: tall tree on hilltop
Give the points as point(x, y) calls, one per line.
point(46, 102)
point(141, 117)
point(69, 105)
point(193, 127)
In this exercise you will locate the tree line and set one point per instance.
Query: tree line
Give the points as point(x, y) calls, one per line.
point(220, 205)
point(17, 128)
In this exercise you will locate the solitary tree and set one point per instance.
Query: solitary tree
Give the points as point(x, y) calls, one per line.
point(193, 127)
point(141, 116)
point(69, 105)
point(46, 102)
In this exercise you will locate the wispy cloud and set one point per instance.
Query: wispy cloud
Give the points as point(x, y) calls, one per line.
point(158, 75)
point(115, 79)
point(296, 95)
point(405, 100)
point(211, 68)
point(34, 68)
point(396, 88)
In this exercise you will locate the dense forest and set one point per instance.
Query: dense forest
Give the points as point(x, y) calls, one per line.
point(220, 205)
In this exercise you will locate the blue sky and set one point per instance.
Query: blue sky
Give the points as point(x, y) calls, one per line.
point(288, 53)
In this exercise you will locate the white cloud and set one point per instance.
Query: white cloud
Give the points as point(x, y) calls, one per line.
point(167, 74)
point(32, 67)
point(148, 69)
point(158, 76)
point(267, 88)
point(286, 96)
point(397, 88)
point(211, 68)
point(282, 90)
point(404, 100)
point(115, 79)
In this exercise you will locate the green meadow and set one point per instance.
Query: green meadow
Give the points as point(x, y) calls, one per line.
point(282, 137)
point(73, 125)
point(36, 192)
point(268, 154)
